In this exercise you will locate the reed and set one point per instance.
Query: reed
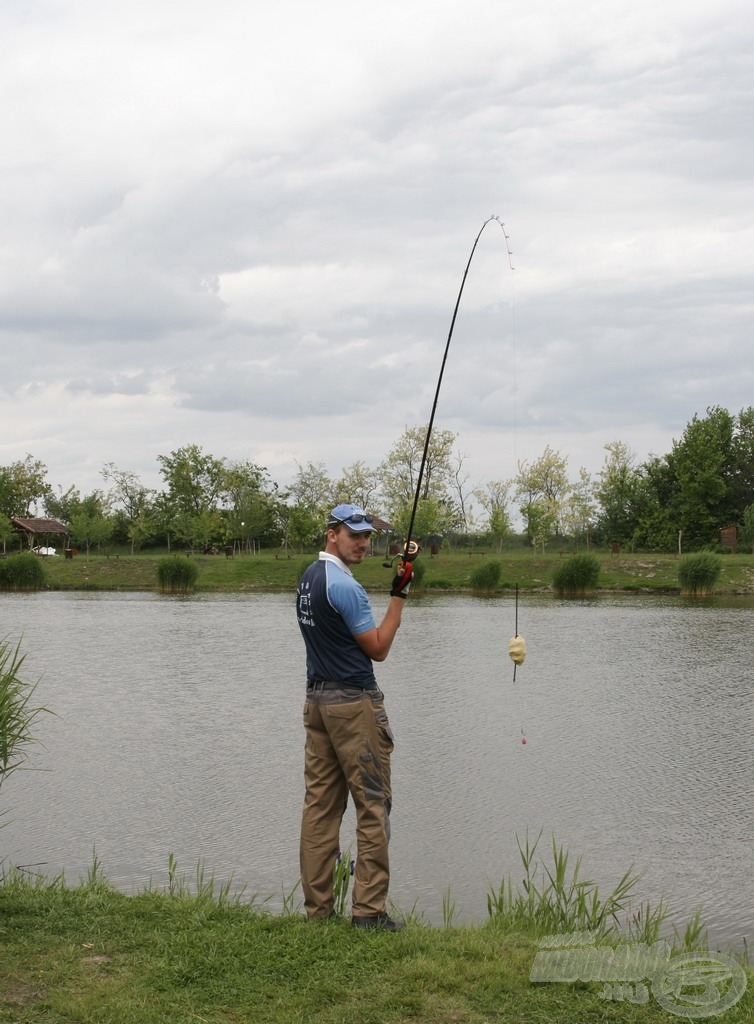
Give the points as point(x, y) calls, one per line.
point(485, 577)
point(177, 575)
point(555, 899)
point(17, 713)
point(698, 573)
point(577, 576)
point(342, 873)
point(22, 572)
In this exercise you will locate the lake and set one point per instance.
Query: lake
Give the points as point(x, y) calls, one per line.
point(177, 729)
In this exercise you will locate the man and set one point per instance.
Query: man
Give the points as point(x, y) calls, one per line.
point(348, 737)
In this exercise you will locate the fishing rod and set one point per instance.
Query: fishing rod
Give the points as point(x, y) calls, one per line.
point(411, 548)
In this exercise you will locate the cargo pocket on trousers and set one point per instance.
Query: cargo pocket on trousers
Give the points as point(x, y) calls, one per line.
point(387, 739)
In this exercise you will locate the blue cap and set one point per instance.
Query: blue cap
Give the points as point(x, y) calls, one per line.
point(352, 516)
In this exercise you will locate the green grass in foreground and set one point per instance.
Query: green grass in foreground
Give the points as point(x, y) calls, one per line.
point(91, 954)
point(641, 573)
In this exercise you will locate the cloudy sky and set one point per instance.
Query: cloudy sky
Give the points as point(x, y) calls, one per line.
point(244, 225)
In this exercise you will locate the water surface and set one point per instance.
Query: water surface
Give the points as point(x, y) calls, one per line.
point(177, 728)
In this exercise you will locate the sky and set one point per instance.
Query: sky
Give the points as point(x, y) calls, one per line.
point(245, 226)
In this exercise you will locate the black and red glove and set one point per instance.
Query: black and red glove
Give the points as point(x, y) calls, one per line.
point(402, 580)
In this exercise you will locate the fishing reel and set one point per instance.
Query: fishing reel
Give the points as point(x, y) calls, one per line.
point(409, 553)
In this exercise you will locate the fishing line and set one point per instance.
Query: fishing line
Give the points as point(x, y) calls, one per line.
point(417, 495)
point(517, 646)
point(517, 652)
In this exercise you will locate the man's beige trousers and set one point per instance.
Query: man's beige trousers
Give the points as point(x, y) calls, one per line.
point(348, 748)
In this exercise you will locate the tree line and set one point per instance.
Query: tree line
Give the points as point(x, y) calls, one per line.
point(678, 500)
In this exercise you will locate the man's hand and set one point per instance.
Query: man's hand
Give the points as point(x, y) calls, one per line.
point(402, 580)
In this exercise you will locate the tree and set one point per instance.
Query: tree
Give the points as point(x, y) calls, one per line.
point(128, 492)
point(616, 492)
point(63, 505)
point(399, 476)
point(461, 492)
point(399, 472)
point(747, 528)
point(7, 533)
point(542, 488)
point(313, 489)
point(199, 529)
point(90, 523)
point(23, 486)
point(741, 475)
point(195, 484)
point(433, 519)
point(303, 526)
point(250, 498)
point(140, 529)
point(656, 525)
point(195, 480)
point(702, 464)
point(493, 498)
point(359, 485)
point(578, 510)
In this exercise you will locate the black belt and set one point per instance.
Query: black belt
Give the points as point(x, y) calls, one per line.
point(330, 684)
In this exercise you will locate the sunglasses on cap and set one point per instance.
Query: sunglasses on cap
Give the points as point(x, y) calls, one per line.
point(357, 517)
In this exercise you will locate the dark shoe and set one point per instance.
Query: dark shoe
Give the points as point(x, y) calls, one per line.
point(381, 921)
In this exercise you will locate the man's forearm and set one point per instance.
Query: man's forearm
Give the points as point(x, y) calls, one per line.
point(376, 643)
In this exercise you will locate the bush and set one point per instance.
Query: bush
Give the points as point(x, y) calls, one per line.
point(177, 574)
point(577, 576)
point(698, 573)
point(420, 568)
point(486, 576)
point(22, 572)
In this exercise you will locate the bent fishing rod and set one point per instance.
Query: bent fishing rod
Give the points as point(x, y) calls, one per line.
point(411, 548)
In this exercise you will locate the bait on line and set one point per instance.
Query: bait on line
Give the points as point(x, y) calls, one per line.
point(517, 654)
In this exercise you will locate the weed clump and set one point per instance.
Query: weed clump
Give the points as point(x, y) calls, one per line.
point(485, 578)
point(698, 573)
point(177, 575)
point(576, 576)
point(22, 572)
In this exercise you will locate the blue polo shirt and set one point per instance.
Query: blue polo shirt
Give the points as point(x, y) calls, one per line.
point(333, 608)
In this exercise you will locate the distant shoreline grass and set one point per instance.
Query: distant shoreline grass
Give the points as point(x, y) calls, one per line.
point(447, 572)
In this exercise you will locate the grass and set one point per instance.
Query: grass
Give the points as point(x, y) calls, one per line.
point(92, 955)
point(271, 571)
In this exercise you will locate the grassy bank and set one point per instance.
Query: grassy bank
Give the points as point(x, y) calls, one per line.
point(447, 571)
point(92, 955)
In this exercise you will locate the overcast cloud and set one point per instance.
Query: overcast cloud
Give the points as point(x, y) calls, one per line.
point(244, 226)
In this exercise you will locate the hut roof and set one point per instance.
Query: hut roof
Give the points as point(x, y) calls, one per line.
point(41, 525)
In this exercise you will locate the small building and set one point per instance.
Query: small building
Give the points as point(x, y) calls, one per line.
point(40, 533)
point(728, 538)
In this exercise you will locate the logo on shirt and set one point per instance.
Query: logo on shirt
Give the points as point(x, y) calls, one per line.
point(305, 616)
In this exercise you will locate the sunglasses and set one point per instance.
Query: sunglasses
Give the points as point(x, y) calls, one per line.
point(358, 517)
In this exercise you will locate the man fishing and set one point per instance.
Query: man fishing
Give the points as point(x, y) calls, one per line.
point(348, 737)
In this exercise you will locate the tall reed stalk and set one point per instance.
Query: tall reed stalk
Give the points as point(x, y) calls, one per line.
point(17, 714)
point(555, 899)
